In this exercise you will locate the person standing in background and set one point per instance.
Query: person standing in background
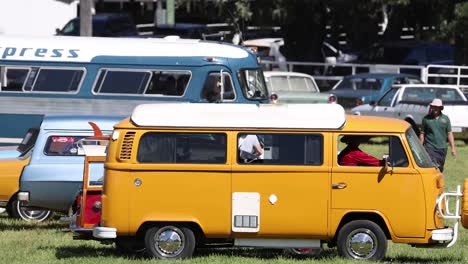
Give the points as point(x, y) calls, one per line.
point(435, 132)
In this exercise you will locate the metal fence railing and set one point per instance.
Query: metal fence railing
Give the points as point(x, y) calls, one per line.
point(448, 74)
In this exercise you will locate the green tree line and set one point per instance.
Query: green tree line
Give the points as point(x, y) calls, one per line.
point(304, 22)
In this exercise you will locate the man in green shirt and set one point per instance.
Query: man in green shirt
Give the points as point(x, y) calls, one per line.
point(436, 130)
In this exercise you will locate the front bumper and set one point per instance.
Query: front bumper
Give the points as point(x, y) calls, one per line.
point(448, 236)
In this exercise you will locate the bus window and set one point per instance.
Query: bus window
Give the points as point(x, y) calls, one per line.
point(122, 82)
point(12, 79)
point(171, 83)
point(212, 88)
point(58, 80)
point(253, 84)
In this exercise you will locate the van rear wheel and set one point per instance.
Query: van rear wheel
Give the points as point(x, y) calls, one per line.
point(16, 210)
point(169, 242)
point(362, 239)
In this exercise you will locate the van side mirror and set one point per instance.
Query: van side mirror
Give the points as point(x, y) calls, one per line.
point(387, 164)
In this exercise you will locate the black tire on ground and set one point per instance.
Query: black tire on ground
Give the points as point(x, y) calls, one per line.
point(169, 242)
point(362, 239)
point(15, 210)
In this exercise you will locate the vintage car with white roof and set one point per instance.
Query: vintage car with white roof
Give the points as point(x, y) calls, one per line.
point(293, 87)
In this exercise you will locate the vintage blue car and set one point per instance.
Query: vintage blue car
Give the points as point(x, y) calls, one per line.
point(54, 175)
point(357, 89)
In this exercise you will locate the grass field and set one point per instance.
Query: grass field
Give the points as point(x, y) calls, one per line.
point(51, 242)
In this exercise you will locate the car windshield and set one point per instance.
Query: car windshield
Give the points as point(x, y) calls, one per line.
point(253, 84)
point(360, 84)
point(419, 152)
point(302, 84)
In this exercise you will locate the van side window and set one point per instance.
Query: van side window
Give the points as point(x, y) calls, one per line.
point(212, 88)
point(12, 79)
point(368, 150)
point(63, 146)
point(281, 149)
point(183, 148)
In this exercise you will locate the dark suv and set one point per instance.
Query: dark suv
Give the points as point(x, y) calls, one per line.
point(104, 25)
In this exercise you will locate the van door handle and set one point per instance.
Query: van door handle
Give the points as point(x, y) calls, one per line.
point(339, 186)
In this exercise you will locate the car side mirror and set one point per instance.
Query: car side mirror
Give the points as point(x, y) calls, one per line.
point(58, 31)
point(373, 103)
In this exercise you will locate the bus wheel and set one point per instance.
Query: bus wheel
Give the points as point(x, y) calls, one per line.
point(362, 239)
point(169, 242)
point(16, 210)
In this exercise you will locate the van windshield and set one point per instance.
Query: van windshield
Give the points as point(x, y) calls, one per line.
point(419, 153)
point(253, 84)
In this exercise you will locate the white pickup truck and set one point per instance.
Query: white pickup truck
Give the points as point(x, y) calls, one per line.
point(411, 103)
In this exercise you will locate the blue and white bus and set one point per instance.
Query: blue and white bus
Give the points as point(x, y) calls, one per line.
point(110, 76)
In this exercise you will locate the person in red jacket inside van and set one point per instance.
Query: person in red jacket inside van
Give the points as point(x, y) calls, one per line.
point(353, 156)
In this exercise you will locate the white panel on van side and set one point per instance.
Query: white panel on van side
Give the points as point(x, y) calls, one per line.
point(245, 212)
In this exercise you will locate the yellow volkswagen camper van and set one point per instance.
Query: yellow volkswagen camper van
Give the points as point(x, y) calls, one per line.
point(181, 176)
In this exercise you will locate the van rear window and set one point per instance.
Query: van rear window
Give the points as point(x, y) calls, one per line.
point(183, 148)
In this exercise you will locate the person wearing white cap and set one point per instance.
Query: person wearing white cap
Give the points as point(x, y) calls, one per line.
point(436, 130)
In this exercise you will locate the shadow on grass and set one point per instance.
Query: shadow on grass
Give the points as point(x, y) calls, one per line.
point(84, 251)
point(262, 253)
point(18, 225)
point(239, 252)
point(405, 259)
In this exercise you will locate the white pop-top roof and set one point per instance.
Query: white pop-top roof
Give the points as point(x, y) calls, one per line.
point(295, 116)
point(84, 49)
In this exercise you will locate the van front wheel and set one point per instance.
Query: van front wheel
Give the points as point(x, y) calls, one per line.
point(170, 242)
point(362, 239)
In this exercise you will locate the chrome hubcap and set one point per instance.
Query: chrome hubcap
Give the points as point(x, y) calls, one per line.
point(362, 243)
point(31, 215)
point(169, 241)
